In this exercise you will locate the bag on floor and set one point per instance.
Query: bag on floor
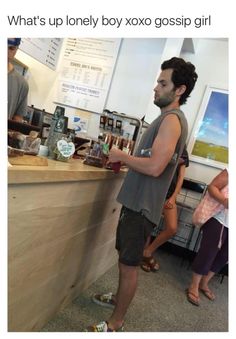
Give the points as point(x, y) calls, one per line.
point(207, 208)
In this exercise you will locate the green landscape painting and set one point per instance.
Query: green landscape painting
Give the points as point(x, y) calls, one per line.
point(211, 140)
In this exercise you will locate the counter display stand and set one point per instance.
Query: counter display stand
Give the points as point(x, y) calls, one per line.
point(112, 135)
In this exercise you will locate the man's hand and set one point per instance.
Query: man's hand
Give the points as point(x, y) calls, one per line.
point(116, 155)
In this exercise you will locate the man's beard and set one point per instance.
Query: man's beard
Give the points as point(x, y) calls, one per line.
point(165, 100)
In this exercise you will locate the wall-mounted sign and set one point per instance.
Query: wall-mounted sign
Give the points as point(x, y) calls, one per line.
point(86, 71)
point(45, 50)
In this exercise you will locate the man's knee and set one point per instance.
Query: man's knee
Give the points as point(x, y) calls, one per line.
point(127, 269)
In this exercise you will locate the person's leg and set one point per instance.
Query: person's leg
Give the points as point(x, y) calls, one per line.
point(147, 244)
point(203, 286)
point(205, 257)
point(205, 280)
point(193, 289)
point(208, 248)
point(128, 276)
point(199, 279)
point(170, 218)
point(220, 260)
point(222, 256)
point(132, 233)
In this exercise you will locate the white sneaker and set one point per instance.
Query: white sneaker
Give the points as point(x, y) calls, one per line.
point(105, 300)
point(102, 327)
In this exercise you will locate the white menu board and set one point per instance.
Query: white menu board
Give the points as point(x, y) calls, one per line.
point(45, 50)
point(86, 71)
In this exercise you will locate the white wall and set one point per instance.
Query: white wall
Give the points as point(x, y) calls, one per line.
point(134, 76)
point(42, 82)
point(133, 79)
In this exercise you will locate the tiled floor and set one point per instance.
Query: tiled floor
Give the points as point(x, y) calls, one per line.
point(160, 303)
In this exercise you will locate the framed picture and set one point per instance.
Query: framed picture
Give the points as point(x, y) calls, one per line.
point(208, 142)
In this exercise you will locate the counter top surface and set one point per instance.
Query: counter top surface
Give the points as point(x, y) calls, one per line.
point(58, 171)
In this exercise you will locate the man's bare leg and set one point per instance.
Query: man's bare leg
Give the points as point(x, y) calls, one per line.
point(128, 277)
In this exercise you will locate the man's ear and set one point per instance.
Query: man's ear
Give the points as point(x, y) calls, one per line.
point(180, 90)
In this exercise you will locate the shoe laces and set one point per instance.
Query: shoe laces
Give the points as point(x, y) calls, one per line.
point(101, 327)
point(107, 296)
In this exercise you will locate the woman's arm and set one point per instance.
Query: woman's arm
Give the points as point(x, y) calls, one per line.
point(214, 188)
point(179, 180)
point(171, 201)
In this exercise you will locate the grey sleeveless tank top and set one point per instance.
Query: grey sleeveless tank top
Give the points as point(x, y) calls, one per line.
point(144, 193)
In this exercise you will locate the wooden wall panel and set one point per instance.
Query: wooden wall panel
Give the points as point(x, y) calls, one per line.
point(61, 239)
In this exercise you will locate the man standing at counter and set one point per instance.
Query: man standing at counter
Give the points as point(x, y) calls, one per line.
point(17, 85)
point(145, 186)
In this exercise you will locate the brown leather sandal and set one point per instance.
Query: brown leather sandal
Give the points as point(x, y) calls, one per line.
point(149, 264)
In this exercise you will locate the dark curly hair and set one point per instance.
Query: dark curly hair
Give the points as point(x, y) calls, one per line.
point(183, 74)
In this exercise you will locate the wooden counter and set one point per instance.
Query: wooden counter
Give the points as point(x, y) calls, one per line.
point(58, 171)
point(61, 226)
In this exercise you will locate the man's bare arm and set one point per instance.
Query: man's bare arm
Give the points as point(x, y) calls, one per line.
point(162, 150)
